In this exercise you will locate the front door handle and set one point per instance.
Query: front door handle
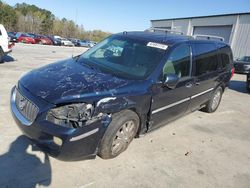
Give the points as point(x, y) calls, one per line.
point(197, 82)
point(189, 85)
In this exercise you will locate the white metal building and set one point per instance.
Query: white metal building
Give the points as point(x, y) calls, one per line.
point(234, 28)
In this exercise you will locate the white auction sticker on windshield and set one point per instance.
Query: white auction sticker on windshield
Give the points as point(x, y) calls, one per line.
point(157, 45)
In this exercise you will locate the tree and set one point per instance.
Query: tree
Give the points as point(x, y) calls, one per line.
point(32, 19)
point(8, 16)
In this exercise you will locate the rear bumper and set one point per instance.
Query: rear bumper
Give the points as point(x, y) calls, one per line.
point(76, 144)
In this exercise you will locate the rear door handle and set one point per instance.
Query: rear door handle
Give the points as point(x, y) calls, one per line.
point(197, 82)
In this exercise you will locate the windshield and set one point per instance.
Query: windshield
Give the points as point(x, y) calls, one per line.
point(124, 57)
point(245, 58)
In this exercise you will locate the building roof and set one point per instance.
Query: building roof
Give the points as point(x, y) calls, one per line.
point(209, 16)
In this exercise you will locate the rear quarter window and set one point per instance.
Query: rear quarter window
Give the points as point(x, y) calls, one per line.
point(206, 59)
point(225, 59)
point(225, 55)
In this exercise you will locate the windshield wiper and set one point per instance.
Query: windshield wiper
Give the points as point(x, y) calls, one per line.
point(93, 67)
point(76, 58)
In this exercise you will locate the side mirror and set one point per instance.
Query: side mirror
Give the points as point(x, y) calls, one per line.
point(171, 80)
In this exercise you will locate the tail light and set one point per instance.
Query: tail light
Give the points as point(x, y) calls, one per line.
point(232, 72)
point(10, 45)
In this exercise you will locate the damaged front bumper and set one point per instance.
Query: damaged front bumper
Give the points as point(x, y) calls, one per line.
point(64, 143)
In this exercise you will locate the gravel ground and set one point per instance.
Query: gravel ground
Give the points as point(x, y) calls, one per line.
point(198, 150)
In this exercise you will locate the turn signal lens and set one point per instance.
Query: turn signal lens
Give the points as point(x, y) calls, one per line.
point(57, 141)
point(232, 72)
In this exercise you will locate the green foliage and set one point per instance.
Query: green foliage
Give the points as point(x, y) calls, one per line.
point(8, 16)
point(32, 19)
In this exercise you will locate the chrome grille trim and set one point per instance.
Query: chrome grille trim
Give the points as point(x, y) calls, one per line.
point(27, 108)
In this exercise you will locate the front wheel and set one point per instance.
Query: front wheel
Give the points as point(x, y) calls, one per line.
point(214, 101)
point(119, 134)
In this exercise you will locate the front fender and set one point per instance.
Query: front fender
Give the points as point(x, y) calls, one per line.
point(139, 104)
point(114, 104)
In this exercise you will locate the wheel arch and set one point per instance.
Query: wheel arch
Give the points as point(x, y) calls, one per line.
point(222, 85)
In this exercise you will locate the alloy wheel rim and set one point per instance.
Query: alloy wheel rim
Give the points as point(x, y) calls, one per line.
point(216, 100)
point(123, 137)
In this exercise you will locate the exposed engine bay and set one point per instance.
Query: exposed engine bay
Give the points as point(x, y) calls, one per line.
point(73, 115)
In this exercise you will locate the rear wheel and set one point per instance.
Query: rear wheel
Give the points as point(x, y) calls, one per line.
point(248, 83)
point(214, 101)
point(119, 134)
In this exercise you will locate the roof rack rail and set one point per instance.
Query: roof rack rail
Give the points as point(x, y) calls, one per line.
point(154, 29)
point(208, 37)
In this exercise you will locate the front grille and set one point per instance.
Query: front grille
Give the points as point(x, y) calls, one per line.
point(26, 107)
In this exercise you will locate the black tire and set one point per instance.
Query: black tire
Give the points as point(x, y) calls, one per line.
point(1, 55)
point(214, 101)
point(112, 145)
point(248, 83)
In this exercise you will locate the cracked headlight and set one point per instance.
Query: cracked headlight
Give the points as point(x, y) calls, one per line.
point(72, 115)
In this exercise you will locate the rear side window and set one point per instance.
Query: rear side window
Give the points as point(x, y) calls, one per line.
point(205, 58)
point(225, 55)
point(225, 60)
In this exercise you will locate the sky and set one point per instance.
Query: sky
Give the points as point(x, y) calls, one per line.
point(130, 15)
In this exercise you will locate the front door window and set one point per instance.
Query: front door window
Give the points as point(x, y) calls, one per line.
point(178, 62)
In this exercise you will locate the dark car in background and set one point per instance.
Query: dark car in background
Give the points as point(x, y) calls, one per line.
point(125, 86)
point(55, 41)
point(12, 37)
point(242, 65)
point(76, 42)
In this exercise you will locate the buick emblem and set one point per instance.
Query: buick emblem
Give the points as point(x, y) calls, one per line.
point(22, 103)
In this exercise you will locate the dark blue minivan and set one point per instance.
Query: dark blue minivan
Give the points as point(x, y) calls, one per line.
point(125, 86)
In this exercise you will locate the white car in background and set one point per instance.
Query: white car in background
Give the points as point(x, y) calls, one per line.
point(5, 46)
point(64, 41)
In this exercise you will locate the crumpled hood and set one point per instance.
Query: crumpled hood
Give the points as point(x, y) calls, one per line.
point(68, 79)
